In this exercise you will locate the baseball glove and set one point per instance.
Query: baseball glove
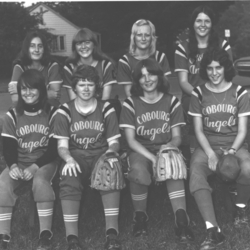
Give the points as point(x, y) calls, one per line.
point(170, 164)
point(107, 174)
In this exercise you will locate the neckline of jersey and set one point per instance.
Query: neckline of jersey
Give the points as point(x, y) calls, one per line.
point(154, 101)
point(218, 91)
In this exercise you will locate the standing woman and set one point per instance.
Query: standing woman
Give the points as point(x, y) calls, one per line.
point(189, 53)
point(30, 153)
point(151, 118)
point(142, 46)
point(35, 55)
point(86, 50)
point(220, 113)
point(86, 129)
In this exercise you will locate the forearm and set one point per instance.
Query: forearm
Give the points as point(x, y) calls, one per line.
point(71, 94)
point(64, 153)
point(239, 140)
point(176, 141)
point(127, 88)
point(106, 92)
point(203, 141)
point(186, 87)
point(114, 147)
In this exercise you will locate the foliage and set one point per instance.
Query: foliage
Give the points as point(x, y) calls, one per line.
point(237, 19)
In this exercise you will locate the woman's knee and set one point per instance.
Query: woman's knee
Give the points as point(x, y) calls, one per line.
point(140, 175)
point(42, 190)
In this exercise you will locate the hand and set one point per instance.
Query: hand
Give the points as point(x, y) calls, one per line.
point(170, 145)
point(16, 172)
point(212, 161)
point(71, 166)
point(154, 160)
point(52, 94)
point(29, 172)
point(228, 151)
point(12, 88)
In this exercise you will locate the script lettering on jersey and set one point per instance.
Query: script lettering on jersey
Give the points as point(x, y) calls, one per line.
point(154, 115)
point(193, 68)
point(220, 108)
point(33, 128)
point(86, 125)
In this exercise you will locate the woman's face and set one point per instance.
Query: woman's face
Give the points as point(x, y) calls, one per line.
point(29, 95)
point(36, 49)
point(143, 37)
point(215, 73)
point(85, 49)
point(148, 81)
point(202, 25)
point(85, 89)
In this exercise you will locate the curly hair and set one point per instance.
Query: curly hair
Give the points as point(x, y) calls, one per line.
point(153, 68)
point(24, 55)
point(220, 56)
point(135, 27)
point(86, 72)
point(213, 40)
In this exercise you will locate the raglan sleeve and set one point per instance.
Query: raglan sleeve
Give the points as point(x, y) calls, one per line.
point(181, 59)
point(127, 118)
point(164, 63)
point(67, 75)
point(108, 73)
point(124, 73)
point(243, 101)
point(195, 102)
point(54, 74)
point(176, 113)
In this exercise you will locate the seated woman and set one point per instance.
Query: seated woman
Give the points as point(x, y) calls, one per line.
point(220, 113)
point(151, 118)
point(86, 129)
point(30, 153)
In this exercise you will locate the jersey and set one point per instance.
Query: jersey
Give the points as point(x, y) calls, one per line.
point(184, 63)
point(32, 132)
point(220, 111)
point(88, 135)
point(127, 63)
point(152, 122)
point(50, 72)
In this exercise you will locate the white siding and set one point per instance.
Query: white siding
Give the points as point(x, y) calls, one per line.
point(58, 26)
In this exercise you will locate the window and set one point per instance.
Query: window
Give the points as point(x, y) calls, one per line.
point(58, 43)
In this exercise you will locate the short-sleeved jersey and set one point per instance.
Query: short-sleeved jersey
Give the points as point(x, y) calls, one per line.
point(88, 135)
point(152, 122)
point(32, 132)
point(184, 63)
point(127, 64)
point(219, 111)
point(104, 68)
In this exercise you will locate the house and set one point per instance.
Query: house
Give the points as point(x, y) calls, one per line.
point(63, 29)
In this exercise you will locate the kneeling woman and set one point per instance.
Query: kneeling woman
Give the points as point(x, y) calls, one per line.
point(86, 129)
point(220, 113)
point(30, 153)
point(145, 133)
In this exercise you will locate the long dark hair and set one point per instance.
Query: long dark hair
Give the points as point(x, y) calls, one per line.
point(34, 79)
point(153, 68)
point(24, 56)
point(213, 40)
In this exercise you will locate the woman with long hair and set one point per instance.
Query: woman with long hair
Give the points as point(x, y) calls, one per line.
point(87, 129)
point(220, 111)
point(142, 46)
point(30, 153)
point(151, 118)
point(189, 53)
point(35, 55)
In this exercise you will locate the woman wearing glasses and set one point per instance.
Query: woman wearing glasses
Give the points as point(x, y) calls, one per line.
point(142, 46)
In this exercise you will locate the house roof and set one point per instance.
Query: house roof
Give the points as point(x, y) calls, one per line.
point(31, 8)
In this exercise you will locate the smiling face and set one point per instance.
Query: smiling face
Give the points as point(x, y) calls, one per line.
point(85, 89)
point(29, 95)
point(148, 82)
point(215, 73)
point(36, 49)
point(85, 49)
point(202, 25)
point(143, 37)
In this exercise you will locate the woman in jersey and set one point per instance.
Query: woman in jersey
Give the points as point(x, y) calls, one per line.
point(151, 118)
point(35, 55)
point(86, 129)
point(189, 53)
point(86, 50)
point(220, 113)
point(30, 153)
point(142, 46)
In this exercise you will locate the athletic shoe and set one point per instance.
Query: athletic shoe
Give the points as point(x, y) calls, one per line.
point(213, 239)
point(183, 232)
point(73, 243)
point(5, 239)
point(44, 242)
point(140, 224)
point(240, 216)
point(112, 243)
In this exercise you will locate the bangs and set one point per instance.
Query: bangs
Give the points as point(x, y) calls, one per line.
point(84, 35)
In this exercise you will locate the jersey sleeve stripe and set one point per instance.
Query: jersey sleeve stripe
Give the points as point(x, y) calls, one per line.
point(126, 126)
point(11, 113)
point(107, 109)
point(125, 61)
point(174, 104)
point(107, 112)
point(129, 106)
point(179, 70)
point(197, 92)
point(52, 64)
point(244, 114)
point(225, 45)
point(110, 82)
point(194, 114)
point(106, 65)
point(159, 56)
point(181, 51)
point(113, 137)
point(52, 113)
point(7, 135)
point(64, 110)
point(60, 137)
point(167, 73)
point(178, 124)
point(125, 83)
point(20, 66)
point(240, 92)
point(66, 67)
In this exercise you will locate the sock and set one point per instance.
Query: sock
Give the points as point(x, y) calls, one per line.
point(243, 194)
point(45, 214)
point(70, 215)
point(176, 192)
point(111, 203)
point(204, 202)
point(139, 194)
point(5, 220)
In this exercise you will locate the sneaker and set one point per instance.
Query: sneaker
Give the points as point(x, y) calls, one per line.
point(140, 224)
point(183, 232)
point(213, 239)
point(5, 239)
point(73, 243)
point(240, 216)
point(112, 243)
point(44, 242)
